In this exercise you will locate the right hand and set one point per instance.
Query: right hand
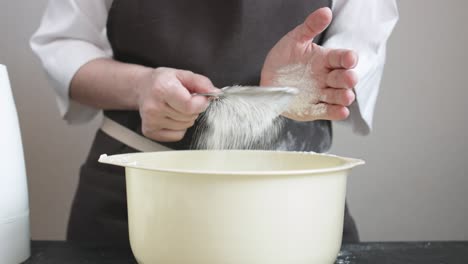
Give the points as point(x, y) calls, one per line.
point(165, 103)
point(326, 74)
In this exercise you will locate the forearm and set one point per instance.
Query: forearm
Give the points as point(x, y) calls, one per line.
point(107, 84)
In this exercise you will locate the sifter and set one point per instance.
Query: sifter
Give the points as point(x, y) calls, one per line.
point(251, 91)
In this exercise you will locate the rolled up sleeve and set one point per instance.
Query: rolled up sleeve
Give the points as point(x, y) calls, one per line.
point(71, 34)
point(363, 26)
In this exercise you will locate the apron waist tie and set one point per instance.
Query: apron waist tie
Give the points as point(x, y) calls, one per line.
point(129, 137)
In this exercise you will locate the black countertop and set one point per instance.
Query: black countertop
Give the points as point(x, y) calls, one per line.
point(58, 252)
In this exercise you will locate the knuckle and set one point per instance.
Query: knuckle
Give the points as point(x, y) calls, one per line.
point(188, 72)
point(165, 83)
point(145, 110)
point(343, 98)
point(147, 131)
point(159, 73)
point(315, 47)
point(192, 107)
point(150, 109)
point(340, 78)
point(337, 78)
point(181, 73)
point(187, 105)
point(325, 97)
point(162, 71)
point(205, 79)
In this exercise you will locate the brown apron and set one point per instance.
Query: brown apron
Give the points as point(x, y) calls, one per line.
point(227, 41)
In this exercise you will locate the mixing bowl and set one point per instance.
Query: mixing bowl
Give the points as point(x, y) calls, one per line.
point(239, 207)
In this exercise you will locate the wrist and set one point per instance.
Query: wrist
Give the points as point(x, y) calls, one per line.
point(138, 75)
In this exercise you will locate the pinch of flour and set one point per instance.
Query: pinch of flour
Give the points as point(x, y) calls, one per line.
point(299, 76)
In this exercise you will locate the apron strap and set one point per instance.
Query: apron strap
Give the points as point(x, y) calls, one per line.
point(130, 138)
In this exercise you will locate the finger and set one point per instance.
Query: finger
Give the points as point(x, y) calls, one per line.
point(182, 118)
point(329, 112)
point(342, 59)
point(178, 116)
point(342, 79)
point(314, 24)
point(195, 83)
point(171, 124)
point(167, 135)
point(343, 97)
point(320, 111)
point(183, 102)
point(155, 132)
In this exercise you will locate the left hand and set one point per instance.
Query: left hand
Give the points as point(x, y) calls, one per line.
point(329, 70)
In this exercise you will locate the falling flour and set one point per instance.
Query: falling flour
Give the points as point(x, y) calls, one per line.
point(243, 120)
point(252, 120)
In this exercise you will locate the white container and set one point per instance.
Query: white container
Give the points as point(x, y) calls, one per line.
point(14, 207)
point(236, 207)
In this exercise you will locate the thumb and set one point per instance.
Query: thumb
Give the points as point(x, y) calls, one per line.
point(314, 24)
point(196, 83)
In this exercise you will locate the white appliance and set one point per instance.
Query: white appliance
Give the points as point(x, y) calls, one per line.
point(14, 206)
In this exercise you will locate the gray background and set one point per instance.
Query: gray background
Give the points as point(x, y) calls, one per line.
point(415, 183)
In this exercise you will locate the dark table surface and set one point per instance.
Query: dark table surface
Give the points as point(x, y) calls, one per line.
point(55, 252)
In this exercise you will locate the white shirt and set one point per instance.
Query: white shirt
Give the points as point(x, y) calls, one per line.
point(73, 32)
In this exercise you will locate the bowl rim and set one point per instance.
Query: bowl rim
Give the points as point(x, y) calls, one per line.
point(124, 160)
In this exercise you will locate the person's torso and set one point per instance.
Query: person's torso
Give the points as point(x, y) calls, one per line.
point(227, 41)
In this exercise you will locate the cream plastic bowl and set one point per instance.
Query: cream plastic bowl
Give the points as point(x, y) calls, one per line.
point(239, 207)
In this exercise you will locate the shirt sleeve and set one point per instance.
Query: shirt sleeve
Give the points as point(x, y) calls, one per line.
point(71, 33)
point(363, 26)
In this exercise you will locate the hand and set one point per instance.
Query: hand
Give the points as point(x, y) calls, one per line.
point(325, 74)
point(166, 106)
